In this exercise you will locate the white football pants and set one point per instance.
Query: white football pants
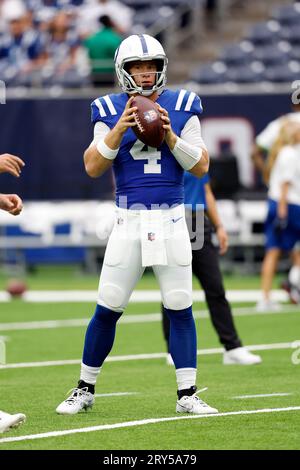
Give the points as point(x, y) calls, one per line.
point(144, 235)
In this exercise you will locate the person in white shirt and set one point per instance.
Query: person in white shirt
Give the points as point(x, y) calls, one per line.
point(263, 144)
point(282, 229)
point(267, 137)
point(92, 10)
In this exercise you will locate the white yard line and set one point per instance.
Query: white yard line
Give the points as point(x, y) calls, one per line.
point(250, 311)
point(262, 395)
point(22, 365)
point(138, 357)
point(128, 319)
point(43, 325)
point(142, 422)
point(138, 296)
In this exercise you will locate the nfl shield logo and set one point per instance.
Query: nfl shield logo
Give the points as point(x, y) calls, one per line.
point(151, 236)
point(150, 115)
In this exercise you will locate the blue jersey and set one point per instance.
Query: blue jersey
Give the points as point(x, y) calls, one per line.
point(194, 190)
point(146, 175)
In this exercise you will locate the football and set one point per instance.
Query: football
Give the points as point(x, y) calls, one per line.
point(149, 126)
point(16, 287)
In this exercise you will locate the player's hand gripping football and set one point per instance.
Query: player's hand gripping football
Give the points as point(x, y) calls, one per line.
point(170, 136)
point(11, 164)
point(127, 119)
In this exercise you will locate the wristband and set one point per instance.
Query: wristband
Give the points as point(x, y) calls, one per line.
point(186, 154)
point(106, 151)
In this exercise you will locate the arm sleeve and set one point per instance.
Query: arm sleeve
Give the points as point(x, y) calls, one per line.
point(191, 132)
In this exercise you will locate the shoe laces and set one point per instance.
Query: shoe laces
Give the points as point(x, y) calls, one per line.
point(199, 399)
point(76, 394)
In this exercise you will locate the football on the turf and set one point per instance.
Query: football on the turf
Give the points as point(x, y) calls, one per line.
point(149, 126)
point(16, 287)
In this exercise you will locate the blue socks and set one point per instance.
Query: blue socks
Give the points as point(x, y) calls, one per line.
point(183, 338)
point(100, 336)
point(101, 330)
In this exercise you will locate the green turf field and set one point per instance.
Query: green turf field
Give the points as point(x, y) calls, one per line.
point(150, 383)
point(64, 277)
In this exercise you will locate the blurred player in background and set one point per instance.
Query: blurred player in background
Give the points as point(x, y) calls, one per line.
point(283, 219)
point(150, 179)
point(12, 204)
point(198, 196)
point(264, 142)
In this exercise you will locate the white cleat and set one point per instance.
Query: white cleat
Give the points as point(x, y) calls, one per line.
point(265, 305)
point(240, 356)
point(8, 421)
point(169, 360)
point(295, 295)
point(193, 404)
point(80, 399)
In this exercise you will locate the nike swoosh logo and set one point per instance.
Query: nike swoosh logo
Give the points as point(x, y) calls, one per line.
point(176, 220)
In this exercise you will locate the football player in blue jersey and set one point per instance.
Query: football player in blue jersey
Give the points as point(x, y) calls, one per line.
point(150, 227)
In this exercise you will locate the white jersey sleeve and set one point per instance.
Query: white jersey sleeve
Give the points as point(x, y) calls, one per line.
point(100, 131)
point(267, 137)
point(191, 132)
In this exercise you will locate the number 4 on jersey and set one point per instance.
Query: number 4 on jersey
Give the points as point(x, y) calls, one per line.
point(141, 151)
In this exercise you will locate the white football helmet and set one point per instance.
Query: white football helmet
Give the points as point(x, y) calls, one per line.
point(140, 47)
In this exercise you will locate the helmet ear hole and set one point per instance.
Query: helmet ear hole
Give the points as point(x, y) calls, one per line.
point(126, 66)
point(159, 65)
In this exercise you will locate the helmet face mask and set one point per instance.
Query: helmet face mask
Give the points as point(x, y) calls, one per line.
point(135, 49)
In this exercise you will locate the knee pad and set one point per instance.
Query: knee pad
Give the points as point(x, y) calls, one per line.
point(112, 295)
point(177, 299)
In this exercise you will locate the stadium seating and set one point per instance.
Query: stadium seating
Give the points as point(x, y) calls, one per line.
point(145, 18)
point(141, 4)
point(269, 52)
point(264, 33)
point(237, 54)
point(272, 54)
point(82, 21)
point(291, 34)
point(288, 15)
point(282, 73)
point(251, 73)
point(209, 73)
point(295, 52)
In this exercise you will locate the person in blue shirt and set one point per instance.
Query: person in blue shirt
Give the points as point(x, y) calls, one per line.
point(150, 227)
point(205, 265)
point(21, 51)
